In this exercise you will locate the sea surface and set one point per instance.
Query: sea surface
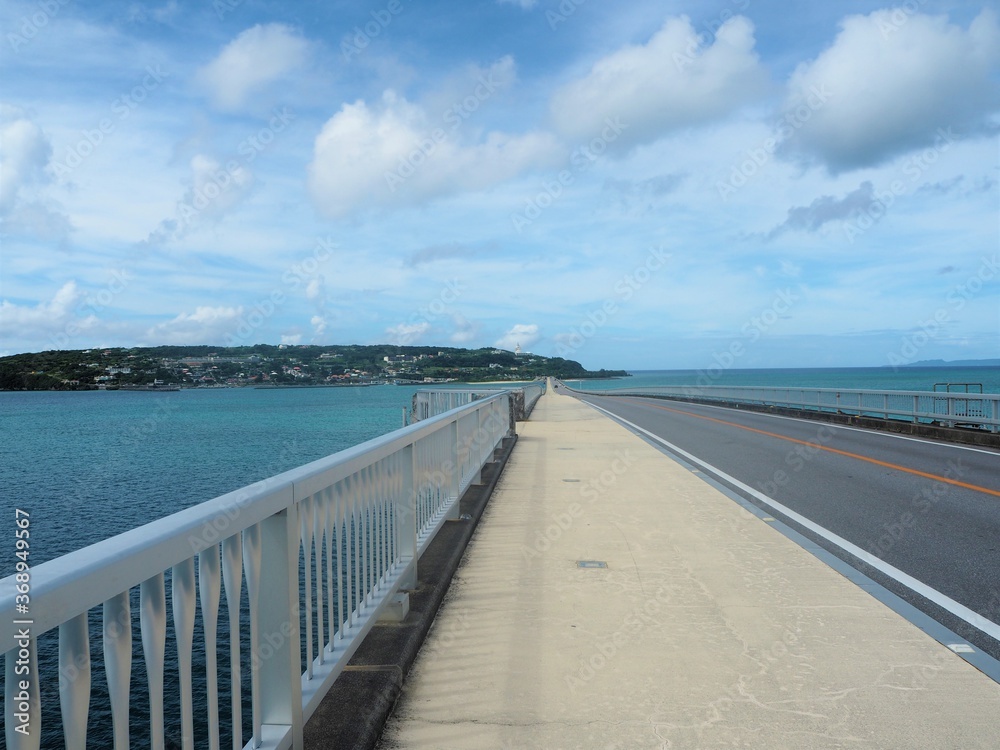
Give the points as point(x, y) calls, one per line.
point(88, 465)
point(863, 378)
point(91, 464)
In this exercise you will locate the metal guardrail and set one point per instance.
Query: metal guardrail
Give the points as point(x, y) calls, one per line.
point(981, 410)
point(431, 402)
point(355, 522)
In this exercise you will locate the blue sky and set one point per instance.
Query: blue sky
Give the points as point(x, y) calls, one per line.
point(736, 183)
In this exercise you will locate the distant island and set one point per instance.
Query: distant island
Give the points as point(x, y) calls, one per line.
point(955, 363)
point(264, 365)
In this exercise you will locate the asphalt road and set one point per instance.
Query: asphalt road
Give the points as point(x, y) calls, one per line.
point(930, 509)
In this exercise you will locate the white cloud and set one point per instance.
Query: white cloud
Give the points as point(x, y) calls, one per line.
point(891, 80)
point(523, 334)
point(257, 58)
point(214, 191)
point(46, 319)
point(291, 339)
point(25, 154)
point(388, 156)
point(206, 325)
point(525, 4)
point(465, 331)
point(670, 82)
point(407, 333)
point(24, 159)
point(318, 322)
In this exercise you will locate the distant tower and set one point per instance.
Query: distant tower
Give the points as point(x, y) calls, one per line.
point(517, 350)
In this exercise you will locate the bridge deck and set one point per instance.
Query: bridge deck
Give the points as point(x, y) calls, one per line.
point(706, 629)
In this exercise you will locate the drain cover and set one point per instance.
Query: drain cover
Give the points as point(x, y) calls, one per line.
point(591, 564)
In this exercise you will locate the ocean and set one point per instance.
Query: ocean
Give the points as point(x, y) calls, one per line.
point(865, 378)
point(89, 465)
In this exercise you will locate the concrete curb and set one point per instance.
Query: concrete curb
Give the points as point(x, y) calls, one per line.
point(354, 712)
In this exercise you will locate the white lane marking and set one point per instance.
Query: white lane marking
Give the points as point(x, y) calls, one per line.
point(945, 602)
point(925, 441)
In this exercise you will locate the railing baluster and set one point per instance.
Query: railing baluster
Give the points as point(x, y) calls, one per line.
point(118, 663)
point(232, 578)
point(305, 540)
point(358, 562)
point(251, 563)
point(74, 680)
point(318, 525)
point(153, 626)
point(183, 596)
point(330, 521)
point(350, 582)
point(365, 513)
point(209, 583)
point(337, 509)
point(379, 471)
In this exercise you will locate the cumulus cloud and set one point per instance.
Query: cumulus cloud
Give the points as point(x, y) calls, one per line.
point(523, 334)
point(407, 333)
point(314, 289)
point(45, 319)
point(24, 160)
point(671, 82)
point(393, 155)
point(25, 154)
point(213, 191)
point(465, 331)
point(319, 323)
point(258, 58)
point(206, 325)
point(892, 80)
point(825, 209)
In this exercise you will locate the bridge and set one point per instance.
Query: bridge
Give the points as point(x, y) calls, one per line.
point(648, 573)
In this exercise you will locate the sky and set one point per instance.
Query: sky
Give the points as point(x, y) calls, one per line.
point(639, 185)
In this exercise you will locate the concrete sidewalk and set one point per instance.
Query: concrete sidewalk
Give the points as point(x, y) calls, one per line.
point(707, 628)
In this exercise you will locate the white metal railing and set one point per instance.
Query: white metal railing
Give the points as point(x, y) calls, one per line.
point(337, 538)
point(951, 409)
point(532, 392)
point(431, 402)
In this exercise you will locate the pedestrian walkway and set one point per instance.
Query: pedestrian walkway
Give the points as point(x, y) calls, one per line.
point(612, 599)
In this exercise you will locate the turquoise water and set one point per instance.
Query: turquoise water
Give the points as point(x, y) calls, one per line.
point(88, 465)
point(868, 378)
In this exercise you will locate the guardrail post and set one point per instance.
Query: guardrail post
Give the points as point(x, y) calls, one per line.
point(406, 518)
point(279, 650)
point(455, 478)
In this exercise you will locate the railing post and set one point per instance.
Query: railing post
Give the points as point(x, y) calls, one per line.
point(455, 477)
point(406, 517)
point(278, 649)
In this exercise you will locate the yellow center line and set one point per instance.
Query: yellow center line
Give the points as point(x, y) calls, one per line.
point(859, 457)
